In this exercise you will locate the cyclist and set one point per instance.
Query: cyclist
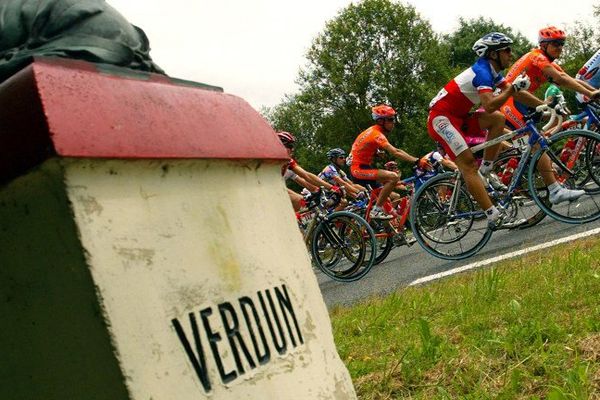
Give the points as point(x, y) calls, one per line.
point(363, 151)
point(450, 119)
point(335, 175)
point(588, 75)
point(539, 66)
point(291, 170)
point(438, 155)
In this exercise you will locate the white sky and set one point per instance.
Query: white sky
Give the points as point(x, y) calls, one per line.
point(254, 48)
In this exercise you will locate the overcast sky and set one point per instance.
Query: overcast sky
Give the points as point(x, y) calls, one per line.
point(254, 48)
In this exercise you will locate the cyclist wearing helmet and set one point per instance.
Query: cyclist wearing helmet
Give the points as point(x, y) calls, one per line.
point(450, 119)
point(540, 67)
point(363, 151)
point(335, 175)
point(295, 172)
point(438, 155)
point(588, 75)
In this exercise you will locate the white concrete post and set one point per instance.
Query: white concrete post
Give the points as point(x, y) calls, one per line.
point(152, 252)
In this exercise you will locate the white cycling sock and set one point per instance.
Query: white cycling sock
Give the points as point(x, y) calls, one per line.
point(486, 167)
point(555, 187)
point(492, 213)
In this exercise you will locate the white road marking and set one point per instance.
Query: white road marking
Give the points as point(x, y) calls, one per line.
point(504, 257)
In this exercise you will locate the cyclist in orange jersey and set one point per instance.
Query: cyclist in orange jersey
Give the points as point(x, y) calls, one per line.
point(540, 67)
point(363, 151)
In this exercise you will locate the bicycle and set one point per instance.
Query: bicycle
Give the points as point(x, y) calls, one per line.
point(569, 154)
point(392, 233)
point(448, 223)
point(341, 243)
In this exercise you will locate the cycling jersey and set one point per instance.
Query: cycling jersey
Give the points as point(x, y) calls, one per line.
point(330, 172)
point(462, 93)
point(532, 64)
point(366, 145)
point(450, 120)
point(589, 74)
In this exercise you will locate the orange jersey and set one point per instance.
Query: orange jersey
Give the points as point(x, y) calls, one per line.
point(366, 144)
point(532, 64)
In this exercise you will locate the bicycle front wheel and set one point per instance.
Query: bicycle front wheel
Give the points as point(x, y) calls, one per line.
point(574, 159)
point(445, 220)
point(343, 246)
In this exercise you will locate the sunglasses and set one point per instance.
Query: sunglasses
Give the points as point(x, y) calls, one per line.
point(557, 43)
point(391, 119)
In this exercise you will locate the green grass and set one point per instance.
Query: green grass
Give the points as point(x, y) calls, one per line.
point(524, 329)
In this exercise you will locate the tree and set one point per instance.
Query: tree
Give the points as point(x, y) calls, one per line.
point(460, 42)
point(374, 51)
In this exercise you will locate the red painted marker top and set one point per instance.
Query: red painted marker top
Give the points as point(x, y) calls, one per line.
point(73, 108)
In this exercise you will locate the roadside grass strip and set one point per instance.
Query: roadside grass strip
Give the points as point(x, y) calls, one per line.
point(506, 256)
point(526, 328)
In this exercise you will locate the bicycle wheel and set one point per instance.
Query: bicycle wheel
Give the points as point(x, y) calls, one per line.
point(577, 170)
point(446, 222)
point(384, 239)
point(522, 206)
point(343, 246)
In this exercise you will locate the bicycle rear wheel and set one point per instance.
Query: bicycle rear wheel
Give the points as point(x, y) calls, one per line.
point(445, 220)
point(579, 172)
point(343, 246)
point(522, 206)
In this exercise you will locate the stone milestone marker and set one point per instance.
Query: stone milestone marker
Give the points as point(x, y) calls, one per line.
point(148, 249)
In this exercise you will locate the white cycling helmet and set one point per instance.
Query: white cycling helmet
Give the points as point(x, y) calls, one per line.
point(491, 42)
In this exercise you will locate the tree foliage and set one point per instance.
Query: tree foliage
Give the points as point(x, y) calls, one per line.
point(375, 51)
point(460, 42)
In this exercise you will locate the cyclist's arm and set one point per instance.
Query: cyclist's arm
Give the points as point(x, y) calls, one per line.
point(564, 80)
point(491, 103)
point(346, 185)
point(527, 98)
point(587, 85)
point(401, 154)
point(448, 164)
point(302, 182)
point(310, 177)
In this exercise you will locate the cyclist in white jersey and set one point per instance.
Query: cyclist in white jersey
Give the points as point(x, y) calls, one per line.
point(589, 76)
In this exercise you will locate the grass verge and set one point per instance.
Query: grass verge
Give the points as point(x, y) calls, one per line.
point(524, 329)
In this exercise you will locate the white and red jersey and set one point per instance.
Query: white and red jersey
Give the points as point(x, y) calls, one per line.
point(462, 93)
point(590, 73)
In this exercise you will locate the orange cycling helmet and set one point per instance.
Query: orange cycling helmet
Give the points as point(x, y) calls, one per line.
point(550, 34)
point(382, 111)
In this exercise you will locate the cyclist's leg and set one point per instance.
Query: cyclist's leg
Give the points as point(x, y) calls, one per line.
point(558, 193)
point(445, 130)
point(494, 124)
point(470, 171)
point(389, 180)
point(296, 199)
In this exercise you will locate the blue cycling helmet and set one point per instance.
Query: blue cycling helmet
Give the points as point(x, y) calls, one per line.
point(335, 153)
point(491, 42)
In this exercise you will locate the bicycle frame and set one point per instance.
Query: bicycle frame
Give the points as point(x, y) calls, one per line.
point(535, 138)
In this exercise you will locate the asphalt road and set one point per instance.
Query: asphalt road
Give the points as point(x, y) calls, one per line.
point(406, 264)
